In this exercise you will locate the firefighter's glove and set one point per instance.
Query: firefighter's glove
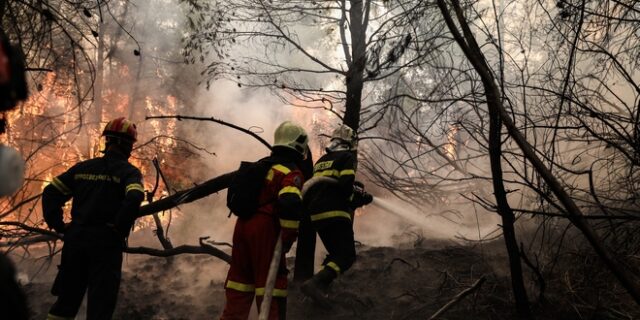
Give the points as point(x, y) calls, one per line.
point(360, 197)
point(367, 198)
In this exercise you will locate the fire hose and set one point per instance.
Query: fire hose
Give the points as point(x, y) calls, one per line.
point(265, 307)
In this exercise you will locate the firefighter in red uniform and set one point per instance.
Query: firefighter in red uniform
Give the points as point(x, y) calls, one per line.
point(107, 192)
point(255, 237)
point(330, 200)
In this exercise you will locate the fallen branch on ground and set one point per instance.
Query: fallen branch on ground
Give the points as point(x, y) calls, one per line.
point(202, 249)
point(457, 298)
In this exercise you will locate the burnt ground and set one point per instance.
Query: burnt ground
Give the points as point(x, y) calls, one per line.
point(384, 283)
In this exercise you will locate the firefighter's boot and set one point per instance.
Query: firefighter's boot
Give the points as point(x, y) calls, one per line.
point(316, 287)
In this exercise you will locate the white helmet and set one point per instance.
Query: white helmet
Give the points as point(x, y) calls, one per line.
point(343, 138)
point(292, 136)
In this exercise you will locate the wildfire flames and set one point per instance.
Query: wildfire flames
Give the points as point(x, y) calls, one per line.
point(53, 132)
point(452, 142)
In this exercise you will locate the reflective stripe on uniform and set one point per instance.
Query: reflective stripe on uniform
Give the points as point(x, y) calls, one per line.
point(333, 266)
point(330, 214)
point(242, 287)
point(61, 186)
point(277, 167)
point(326, 173)
point(134, 186)
point(347, 172)
point(290, 189)
point(96, 177)
point(334, 173)
point(276, 292)
point(54, 317)
point(281, 168)
point(289, 224)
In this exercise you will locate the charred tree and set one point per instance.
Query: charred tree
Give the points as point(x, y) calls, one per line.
point(359, 17)
point(495, 141)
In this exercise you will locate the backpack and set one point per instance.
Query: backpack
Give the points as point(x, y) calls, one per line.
point(244, 190)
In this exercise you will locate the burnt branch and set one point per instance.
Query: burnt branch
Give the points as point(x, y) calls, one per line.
point(212, 119)
point(203, 248)
point(458, 298)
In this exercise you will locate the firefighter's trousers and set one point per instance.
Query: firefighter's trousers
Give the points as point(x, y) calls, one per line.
point(253, 242)
point(91, 262)
point(337, 236)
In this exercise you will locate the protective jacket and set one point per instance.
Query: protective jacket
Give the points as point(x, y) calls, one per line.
point(105, 190)
point(254, 240)
point(329, 200)
point(106, 193)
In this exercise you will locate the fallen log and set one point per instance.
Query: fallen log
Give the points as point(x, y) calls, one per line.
point(203, 248)
point(189, 195)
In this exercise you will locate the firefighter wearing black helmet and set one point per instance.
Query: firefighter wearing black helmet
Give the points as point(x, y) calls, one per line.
point(330, 198)
point(107, 192)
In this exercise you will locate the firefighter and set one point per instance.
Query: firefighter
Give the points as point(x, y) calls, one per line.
point(107, 192)
point(331, 197)
point(255, 237)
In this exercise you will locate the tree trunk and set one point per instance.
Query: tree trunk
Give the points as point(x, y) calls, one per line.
point(95, 118)
point(503, 208)
point(355, 74)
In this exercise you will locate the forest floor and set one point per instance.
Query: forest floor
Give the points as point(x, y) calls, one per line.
point(384, 283)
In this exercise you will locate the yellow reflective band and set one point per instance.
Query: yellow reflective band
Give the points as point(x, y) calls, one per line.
point(60, 186)
point(276, 292)
point(330, 214)
point(290, 189)
point(54, 317)
point(134, 186)
point(281, 168)
point(323, 165)
point(277, 167)
point(347, 172)
point(96, 177)
point(327, 173)
point(289, 224)
point(242, 287)
point(333, 266)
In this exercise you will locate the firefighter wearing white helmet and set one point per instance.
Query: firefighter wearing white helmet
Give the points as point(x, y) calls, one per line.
point(330, 198)
point(343, 138)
